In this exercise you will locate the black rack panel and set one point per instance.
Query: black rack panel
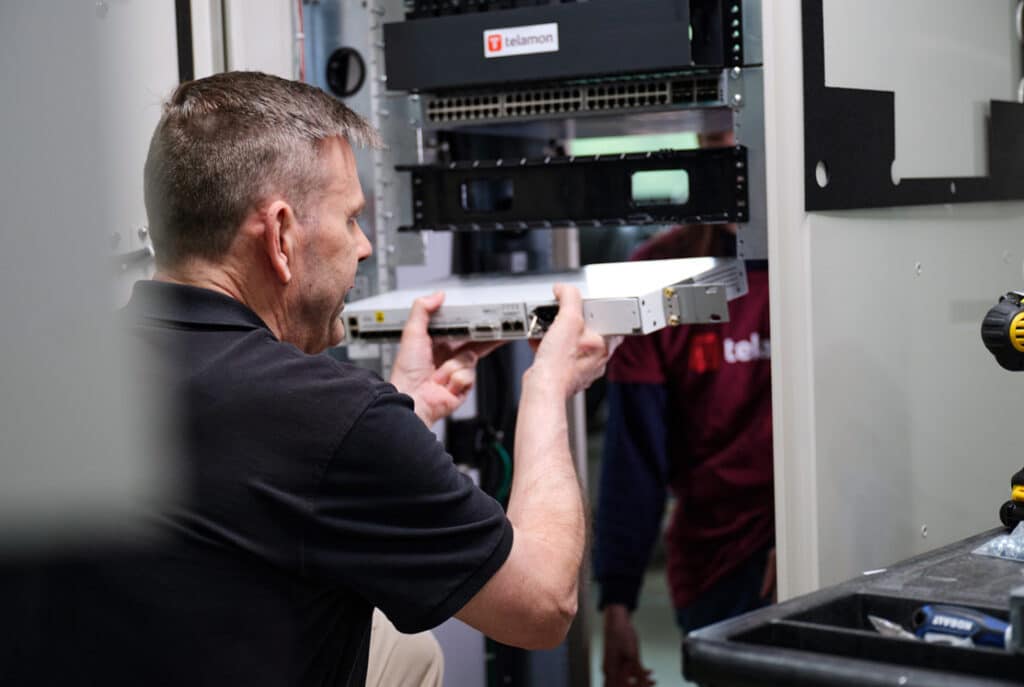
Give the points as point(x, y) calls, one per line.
point(596, 38)
point(593, 190)
point(419, 9)
point(850, 135)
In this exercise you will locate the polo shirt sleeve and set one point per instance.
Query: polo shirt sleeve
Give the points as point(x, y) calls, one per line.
point(395, 522)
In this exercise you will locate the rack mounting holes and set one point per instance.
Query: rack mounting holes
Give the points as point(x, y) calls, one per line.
point(821, 174)
point(952, 187)
point(893, 174)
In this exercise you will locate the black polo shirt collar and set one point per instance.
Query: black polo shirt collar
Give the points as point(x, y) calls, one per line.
point(190, 305)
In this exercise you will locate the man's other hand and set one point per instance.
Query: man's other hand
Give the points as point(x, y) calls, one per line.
point(571, 356)
point(437, 375)
point(621, 664)
point(769, 590)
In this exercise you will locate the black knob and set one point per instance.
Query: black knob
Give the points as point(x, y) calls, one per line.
point(1000, 331)
point(346, 72)
point(1011, 513)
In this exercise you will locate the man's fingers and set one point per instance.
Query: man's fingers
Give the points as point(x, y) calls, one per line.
point(564, 332)
point(432, 302)
point(464, 359)
point(422, 309)
point(769, 579)
point(570, 306)
point(575, 354)
point(568, 297)
point(481, 348)
point(593, 345)
point(591, 359)
point(627, 673)
point(613, 342)
point(444, 350)
point(461, 381)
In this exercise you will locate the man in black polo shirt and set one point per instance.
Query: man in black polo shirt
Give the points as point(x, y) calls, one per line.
point(313, 491)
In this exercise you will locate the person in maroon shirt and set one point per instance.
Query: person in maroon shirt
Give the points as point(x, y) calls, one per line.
point(689, 412)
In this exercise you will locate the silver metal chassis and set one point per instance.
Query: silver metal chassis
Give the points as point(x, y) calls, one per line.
point(619, 299)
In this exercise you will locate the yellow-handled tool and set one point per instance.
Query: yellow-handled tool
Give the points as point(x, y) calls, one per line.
point(1002, 331)
point(1012, 512)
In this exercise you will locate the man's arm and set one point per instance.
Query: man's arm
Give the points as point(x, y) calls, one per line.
point(632, 489)
point(532, 599)
point(631, 500)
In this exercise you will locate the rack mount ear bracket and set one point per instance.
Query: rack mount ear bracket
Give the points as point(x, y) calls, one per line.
point(583, 191)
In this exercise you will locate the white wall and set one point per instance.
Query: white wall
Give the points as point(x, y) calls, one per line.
point(137, 71)
point(891, 420)
point(260, 36)
point(944, 59)
point(207, 37)
point(82, 82)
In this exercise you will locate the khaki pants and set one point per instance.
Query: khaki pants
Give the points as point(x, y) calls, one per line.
point(399, 660)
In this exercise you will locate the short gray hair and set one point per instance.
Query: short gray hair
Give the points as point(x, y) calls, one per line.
point(224, 144)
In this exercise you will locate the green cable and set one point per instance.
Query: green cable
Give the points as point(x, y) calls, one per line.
point(506, 461)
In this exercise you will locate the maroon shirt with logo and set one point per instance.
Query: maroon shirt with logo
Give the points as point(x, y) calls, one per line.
point(719, 433)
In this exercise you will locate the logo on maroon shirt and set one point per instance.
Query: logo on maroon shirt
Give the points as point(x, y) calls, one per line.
point(748, 350)
point(708, 352)
point(705, 353)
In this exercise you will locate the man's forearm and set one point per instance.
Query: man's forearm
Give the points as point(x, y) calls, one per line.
point(532, 599)
point(545, 503)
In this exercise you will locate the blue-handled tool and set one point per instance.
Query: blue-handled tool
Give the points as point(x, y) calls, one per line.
point(960, 626)
point(888, 628)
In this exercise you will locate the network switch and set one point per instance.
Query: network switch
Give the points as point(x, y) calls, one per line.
point(623, 298)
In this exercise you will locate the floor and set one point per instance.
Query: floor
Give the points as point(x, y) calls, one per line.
point(656, 628)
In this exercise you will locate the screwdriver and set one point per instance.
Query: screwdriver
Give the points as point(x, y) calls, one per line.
point(952, 625)
point(960, 626)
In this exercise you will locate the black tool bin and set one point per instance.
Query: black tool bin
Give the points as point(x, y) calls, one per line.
point(825, 638)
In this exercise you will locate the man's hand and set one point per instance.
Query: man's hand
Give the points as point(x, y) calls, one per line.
point(621, 665)
point(437, 376)
point(769, 591)
point(570, 356)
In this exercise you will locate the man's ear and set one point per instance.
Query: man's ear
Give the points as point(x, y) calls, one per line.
point(280, 239)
